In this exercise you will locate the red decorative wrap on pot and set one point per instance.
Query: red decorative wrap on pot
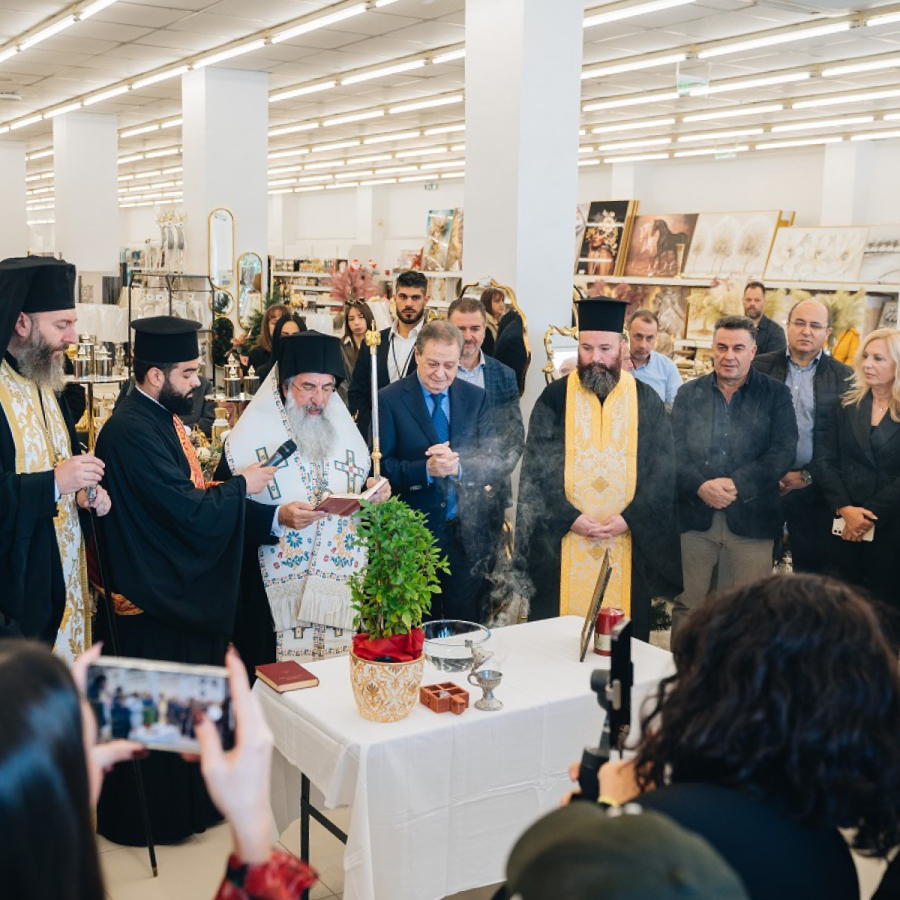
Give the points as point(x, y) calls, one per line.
point(399, 648)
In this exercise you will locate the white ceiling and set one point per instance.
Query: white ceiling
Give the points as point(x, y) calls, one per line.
point(130, 39)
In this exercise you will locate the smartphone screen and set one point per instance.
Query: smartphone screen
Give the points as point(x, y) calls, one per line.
point(154, 702)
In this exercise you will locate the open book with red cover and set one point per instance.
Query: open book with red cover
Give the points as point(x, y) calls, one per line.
point(347, 504)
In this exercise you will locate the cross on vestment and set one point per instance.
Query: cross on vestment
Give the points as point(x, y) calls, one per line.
point(349, 468)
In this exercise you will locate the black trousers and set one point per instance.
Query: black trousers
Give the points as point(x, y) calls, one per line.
point(809, 521)
point(462, 588)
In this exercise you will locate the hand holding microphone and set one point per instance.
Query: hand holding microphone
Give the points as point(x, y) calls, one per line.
point(259, 475)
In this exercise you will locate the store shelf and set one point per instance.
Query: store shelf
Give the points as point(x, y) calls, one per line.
point(303, 273)
point(442, 274)
point(706, 282)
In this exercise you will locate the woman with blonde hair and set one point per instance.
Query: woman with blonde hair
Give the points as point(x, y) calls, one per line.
point(858, 469)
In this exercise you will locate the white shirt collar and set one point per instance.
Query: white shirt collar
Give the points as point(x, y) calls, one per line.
point(479, 364)
point(412, 335)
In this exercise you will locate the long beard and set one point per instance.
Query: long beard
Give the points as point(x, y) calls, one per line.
point(316, 436)
point(40, 363)
point(175, 403)
point(599, 378)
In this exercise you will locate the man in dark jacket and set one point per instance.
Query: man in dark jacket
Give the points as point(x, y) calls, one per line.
point(816, 382)
point(735, 437)
point(769, 334)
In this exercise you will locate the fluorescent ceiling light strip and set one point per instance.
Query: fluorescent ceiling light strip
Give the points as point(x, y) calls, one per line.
point(324, 165)
point(444, 129)
point(632, 126)
point(809, 142)
point(396, 136)
point(293, 129)
point(353, 117)
point(458, 148)
point(712, 151)
point(134, 157)
point(397, 170)
point(343, 176)
point(639, 158)
point(364, 160)
point(376, 181)
point(426, 104)
point(282, 181)
point(154, 154)
point(892, 117)
point(875, 136)
point(628, 145)
point(62, 110)
point(447, 164)
point(854, 68)
point(860, 97)
point(631, 100)
point(746, 83)
point(302, 91)
point(346, 184)
point(47, 32)
point(338, 145)
point(314, 179)
point(786, 37)
point(627, 12)
point(172, 123)
point(823, 123)
point(305, 190)
point(281, 170)
point(8, 54)
point(320, 22)
point(586, 149)
point(719, 135)
point(734, 113)
point(384, 72)
point(222, 55)
point(285, 154)
point(450, 56)
point(143, 129)
point(588, 162)
point(636, 66)
point(281, 191)
point(411, 178)
point(424, 151)
point(106, 95)
point(448, 175)
point(40, 154)
point(93, 8)
point(23, 123)
point(885, 19)
point(159, 76)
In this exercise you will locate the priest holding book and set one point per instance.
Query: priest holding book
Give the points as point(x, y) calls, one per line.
point(296, 585)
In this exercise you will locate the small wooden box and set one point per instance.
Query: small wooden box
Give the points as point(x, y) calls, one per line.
point(444, 697)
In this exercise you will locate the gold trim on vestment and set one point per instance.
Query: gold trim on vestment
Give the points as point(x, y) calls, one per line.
point(600, 478)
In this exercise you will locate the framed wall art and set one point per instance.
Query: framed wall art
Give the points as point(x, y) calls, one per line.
point(735, 243)
point(437, 239)
point(602, 229)
point(830, 254)
point(659, 245)
point(881, 258)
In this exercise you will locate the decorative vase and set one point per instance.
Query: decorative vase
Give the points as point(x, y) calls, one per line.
point(385, 691)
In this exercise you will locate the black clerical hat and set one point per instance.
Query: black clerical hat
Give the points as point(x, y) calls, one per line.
point(165, 339)
point(601, 314)
point(310, 351)
point(33, 284)
point(632, 854)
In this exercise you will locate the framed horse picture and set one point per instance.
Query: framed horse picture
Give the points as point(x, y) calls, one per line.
point(659, 245)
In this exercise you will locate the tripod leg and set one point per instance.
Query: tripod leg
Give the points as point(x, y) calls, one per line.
point(114, 645)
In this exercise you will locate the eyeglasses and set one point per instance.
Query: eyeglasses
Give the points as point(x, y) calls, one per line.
point(307, 388)
point(812, 326)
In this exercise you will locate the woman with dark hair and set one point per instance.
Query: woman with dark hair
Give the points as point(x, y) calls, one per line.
point(494, 302)
point(284, 327)
point(51, 772)
point(262, 349)
point(358, 320)
point(780, 726)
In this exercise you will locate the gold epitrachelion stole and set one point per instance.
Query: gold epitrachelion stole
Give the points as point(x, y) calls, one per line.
point(600, 477)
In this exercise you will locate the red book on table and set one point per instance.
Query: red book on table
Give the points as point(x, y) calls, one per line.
point(286, 676)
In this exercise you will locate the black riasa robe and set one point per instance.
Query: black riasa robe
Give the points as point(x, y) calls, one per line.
point(544, 515)
point(175, 552)
point(32, 589)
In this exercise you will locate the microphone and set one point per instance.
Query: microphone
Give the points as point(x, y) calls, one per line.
point(284, 452)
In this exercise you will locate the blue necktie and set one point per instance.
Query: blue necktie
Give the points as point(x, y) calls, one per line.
point(439, 419)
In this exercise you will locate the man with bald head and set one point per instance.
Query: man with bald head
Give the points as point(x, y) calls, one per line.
point(816, 382)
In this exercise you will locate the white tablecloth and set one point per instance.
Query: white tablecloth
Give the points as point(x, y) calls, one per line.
point(439, 800)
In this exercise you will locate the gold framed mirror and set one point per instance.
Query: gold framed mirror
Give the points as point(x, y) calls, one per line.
point(221, 303)
point(250, 296)
point(561, 346)
point(221, 248)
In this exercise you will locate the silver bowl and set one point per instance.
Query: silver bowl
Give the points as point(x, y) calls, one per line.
point(445, 643)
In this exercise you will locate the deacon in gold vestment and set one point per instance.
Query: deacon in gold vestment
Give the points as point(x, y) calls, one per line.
point(43, 474)
point(598, 474)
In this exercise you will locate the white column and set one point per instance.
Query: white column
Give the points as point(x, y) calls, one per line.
point(842, 177)
point(13, 226)
point(630, 181)
point(225, 159)
point(371, 216)
point(523, 93)
point(86, 188)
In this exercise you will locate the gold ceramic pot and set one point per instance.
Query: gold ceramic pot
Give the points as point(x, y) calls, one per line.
point(385, 691)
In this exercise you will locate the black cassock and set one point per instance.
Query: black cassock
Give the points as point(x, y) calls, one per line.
point(32, 590)
point(174, 551)
point(544, 515)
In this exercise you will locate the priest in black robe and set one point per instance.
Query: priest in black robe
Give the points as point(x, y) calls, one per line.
point(173, 550)
point(598, 474)
point(43, 473)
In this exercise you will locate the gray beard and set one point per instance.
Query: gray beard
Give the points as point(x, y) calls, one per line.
point(599, 379)
point(38, 363)
point(316, 436)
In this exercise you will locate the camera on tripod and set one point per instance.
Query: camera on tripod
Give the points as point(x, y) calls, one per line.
point(613, 690)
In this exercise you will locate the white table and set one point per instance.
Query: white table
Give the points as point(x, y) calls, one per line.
point(439, 800)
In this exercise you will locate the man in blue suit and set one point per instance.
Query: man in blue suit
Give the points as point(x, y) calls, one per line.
point(440, 457)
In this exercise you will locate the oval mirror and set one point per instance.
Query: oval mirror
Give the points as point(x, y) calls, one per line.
point(221, 304)
point(221, 248)
point(250, 296)
point(561, 345)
